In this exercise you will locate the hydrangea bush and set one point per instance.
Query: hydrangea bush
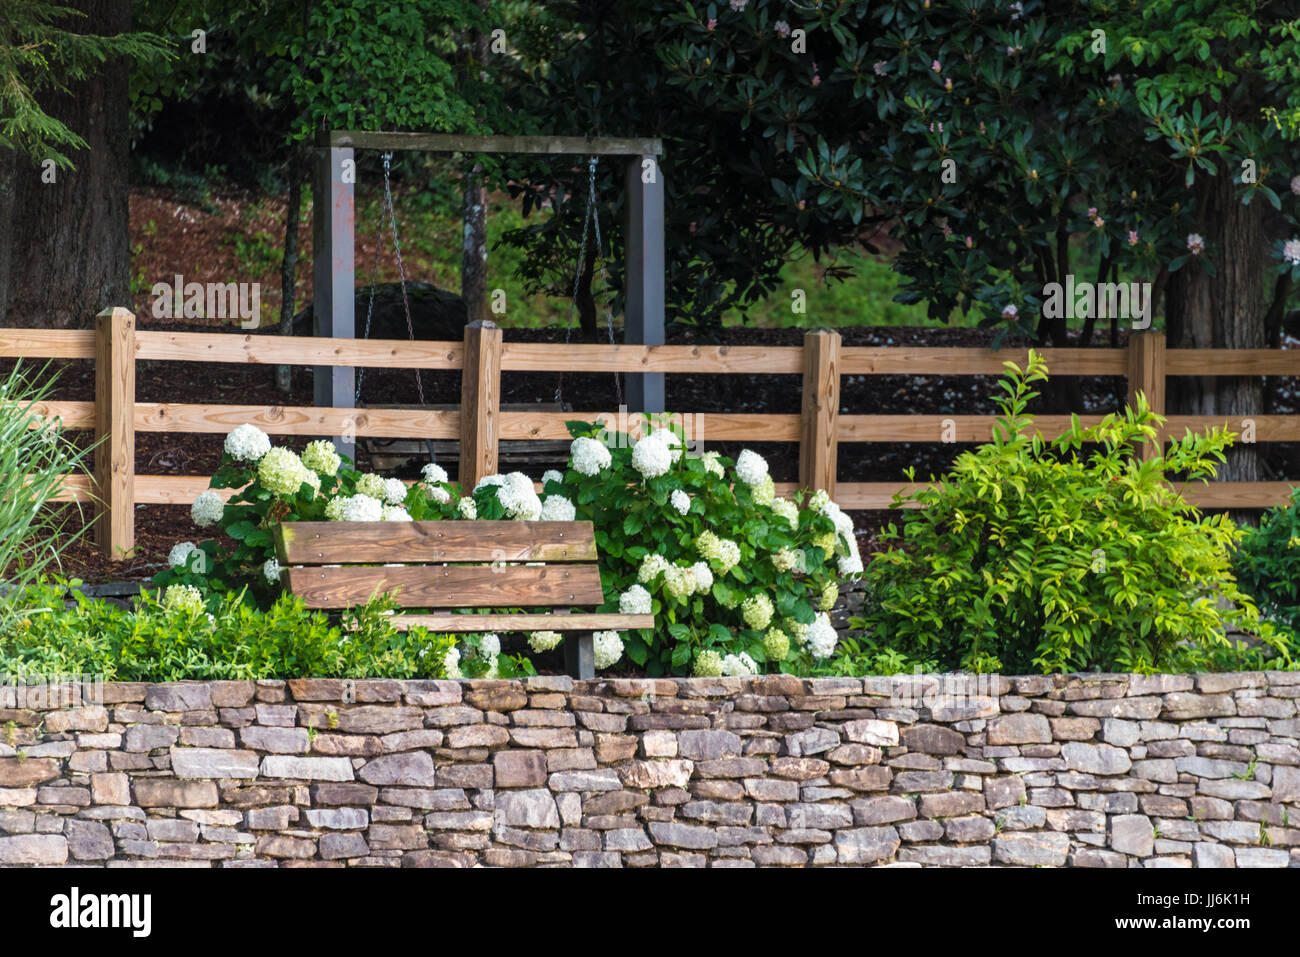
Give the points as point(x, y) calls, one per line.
point(739, 580)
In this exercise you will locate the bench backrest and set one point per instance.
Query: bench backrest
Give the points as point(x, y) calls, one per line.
point(443, 564)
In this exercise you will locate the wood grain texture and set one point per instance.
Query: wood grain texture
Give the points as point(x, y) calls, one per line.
point(519, 621)
point(298, 420)
point(318, 543)
point(1146, 374)
point(115, 433)
point(551, 357)
point(448, 586)
point(942, 360)
point(498, 143)
point(1232, 362)
point(480, 402)
point(47, 343)
point(298, 350)
point(705, 426)
point(818, 430)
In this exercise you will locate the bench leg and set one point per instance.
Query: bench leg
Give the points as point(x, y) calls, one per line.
point(579, 655)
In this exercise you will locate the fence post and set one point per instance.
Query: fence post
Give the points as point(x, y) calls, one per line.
point(115, 432)
point(480, 402)
point(818, 443)
point(1146, 374)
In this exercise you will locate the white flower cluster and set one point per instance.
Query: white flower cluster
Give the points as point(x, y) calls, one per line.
point(1291, 250)
point(551, 475)
point(394, 491)
point(372, 485)
point(355, 508)
point(557, 508)
point(607, 647)
point(467, 508)
point(635, 601)
point(652, 566)
point(589, 456)
point(281, 472)
point(180, 554)
point(751, 468)
point(207, 509)
point(757, 610)
point(322, 457)
point(737, 666)
point(451, 663)
point(182, 598)
point(712, 465)
point(850, 559)
point(271, 571)
point(820, 636)
point(787, 510)
point(516, 495)
point(541, 641)
point(722, 550)
point(395, 513)
point(788, 559)
point(434, 474)
point(247, 443)
point(708, 664)
point(652, 456)
point(680, 501)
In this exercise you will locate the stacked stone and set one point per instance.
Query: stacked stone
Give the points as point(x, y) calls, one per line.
point(1081, 770)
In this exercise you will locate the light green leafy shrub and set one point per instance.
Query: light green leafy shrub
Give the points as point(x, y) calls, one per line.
point(1068, 555)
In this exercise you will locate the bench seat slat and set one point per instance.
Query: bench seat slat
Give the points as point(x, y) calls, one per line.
point(448, 586)
point(577, 621)
point(330, 543)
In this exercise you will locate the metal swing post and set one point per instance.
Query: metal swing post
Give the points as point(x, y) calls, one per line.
point(644, 310)
point(334, 276)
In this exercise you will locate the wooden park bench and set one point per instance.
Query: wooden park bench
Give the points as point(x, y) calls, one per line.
point(442, 567)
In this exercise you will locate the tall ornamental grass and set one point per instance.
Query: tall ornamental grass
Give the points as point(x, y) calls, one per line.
point(35, 458)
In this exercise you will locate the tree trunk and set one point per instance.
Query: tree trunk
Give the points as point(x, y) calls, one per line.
point(289, 267)
point(473, 254)
point(1226, 311)
point(65, 249)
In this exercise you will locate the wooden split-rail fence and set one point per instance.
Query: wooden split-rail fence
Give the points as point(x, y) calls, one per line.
point(481, 425)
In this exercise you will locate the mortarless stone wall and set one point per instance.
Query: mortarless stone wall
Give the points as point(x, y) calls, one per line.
point(1080, 770)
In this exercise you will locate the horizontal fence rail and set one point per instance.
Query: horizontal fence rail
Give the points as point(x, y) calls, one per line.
point(481, 424)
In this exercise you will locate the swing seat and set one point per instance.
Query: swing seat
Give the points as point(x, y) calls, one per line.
point(438, 569)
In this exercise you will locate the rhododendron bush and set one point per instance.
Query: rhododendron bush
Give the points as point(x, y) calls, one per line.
point(739, 580)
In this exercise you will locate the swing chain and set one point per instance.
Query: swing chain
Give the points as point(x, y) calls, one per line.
point(391, 212)
point(591, 217)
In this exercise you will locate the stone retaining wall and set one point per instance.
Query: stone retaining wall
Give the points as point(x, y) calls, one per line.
point(1082, 770)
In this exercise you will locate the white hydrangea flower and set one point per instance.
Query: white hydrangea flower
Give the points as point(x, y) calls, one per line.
point(608, 648)
point(651, 457)
point(467, 508)
point(551, 475)
point(821, 637)
point(850, 564)
point(751, 468)
point(395, 513)
point(589, 456)
point(322, 457)
point(679, 582)
point(434, 474)
point(703, 577)
point(247, 443)
point(489, 645)
point(451, 663)
point(394, 491)
point(708, 664)
point(819, 499)
point(712, 465)
point(281, 471)
point(516, 495)
point(312, 479)
point(680, 501)
point(787, 510)
point(492, 671)
point(757, 610)
point(652, 566)
point(541, 641)
point(786, 559)
point(722, 550)
point(357, 508)
point(557, 508)
point(737, 666)
point(671, 440)
point(634, 601)
point(207, 509)
point(182, 598)
point(372, 485)
point(439, 494)
point(1295, 185)
point(180, 554)
point(1195, 243)
point(271, 571)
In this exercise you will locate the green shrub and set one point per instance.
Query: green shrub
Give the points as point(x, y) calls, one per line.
point(1069, 555)
point(177, 638)
point(1267, 565)
point(35, 458)
point(737, 578)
